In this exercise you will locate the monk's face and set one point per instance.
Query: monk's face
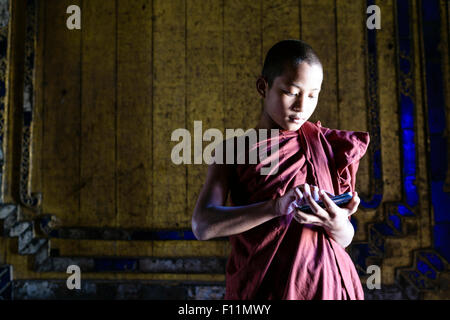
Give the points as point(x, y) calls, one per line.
point(292, 98)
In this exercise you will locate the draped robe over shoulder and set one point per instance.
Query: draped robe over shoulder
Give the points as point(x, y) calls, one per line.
point(281, 258)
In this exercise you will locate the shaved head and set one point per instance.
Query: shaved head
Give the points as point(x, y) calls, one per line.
point(287, 54)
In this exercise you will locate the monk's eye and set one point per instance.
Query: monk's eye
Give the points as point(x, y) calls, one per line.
point(289, 93)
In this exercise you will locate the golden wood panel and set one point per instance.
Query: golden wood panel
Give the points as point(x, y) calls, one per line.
point(242, 29)
point(98, 115)
point(13, 103)
point(351, 76)
point(280, 21)
point(204, 68)
point(389, 108)
point(168, 248)
point(37, 125)
point(318, 25)
point(389, 120)
point(169, 192)
point(351, 64)
point(134, 107)
point(204, 86)
point(399, 250)
point(425, 220)
point(60, 167)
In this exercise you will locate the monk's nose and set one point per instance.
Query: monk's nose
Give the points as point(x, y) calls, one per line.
point(299, 103)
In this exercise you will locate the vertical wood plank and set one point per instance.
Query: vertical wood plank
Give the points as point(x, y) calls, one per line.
point(242, 63)
point(204, 89)
point(98, 114)
point(350, 32)
point(169, 180)
point(389, 108)
point(13, 112)
point(280, 21)
point(134, 122)
point(318, 19)
point(37, 129)
point(61, 115)
point(351, 75)
point(425, 219)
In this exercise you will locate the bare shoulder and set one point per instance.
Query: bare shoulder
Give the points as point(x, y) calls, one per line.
point(219, 171)
point(217, 182)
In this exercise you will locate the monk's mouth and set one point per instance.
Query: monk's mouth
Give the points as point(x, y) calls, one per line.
point(295, 119)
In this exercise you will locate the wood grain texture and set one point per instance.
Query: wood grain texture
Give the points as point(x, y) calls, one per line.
point(242, 29)
point(134, 111)
point(12, 132)
point(351, 76)
point(98, 201)
point(322, 38)
point(389, 108)
point(204, 87)
point(389, 120)
point(280, 21)
point(166, 248)
point(37, 125)
point(422, 180)
point(61, 115)
point(113, 93)
point(169, 108)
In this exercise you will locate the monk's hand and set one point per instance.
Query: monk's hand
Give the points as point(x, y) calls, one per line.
point(285, 204)
point(334, 219)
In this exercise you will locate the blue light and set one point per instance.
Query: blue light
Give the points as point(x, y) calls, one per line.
point(404, 211)
point(426, 270)
point(395, 221)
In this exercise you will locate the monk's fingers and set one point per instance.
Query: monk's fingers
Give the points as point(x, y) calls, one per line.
point(307, 218)
point(291, 195)
point(329, 204)
point(315, 193)
point(352, 206)
point(316, 209)
point(299, 194)
point(312, 190)
point(306, 189)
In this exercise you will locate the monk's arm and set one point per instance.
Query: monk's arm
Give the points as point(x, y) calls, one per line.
point(220, 221)
point(211, 219)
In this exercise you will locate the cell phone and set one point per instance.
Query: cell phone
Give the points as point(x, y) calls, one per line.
point(339, 200)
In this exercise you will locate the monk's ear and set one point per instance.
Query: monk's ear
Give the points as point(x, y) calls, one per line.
point(261, 86)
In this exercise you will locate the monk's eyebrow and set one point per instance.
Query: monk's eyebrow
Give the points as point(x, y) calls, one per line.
point(300, 86)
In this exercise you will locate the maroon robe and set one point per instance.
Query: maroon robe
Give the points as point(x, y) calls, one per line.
point(281, 258)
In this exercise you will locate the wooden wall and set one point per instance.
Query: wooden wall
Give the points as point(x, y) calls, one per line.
point(109, 96)
point(137, 70)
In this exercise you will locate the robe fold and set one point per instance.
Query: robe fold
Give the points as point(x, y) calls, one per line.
point(281, 258)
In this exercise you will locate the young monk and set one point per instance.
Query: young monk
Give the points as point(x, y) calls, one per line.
point(278, 251)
